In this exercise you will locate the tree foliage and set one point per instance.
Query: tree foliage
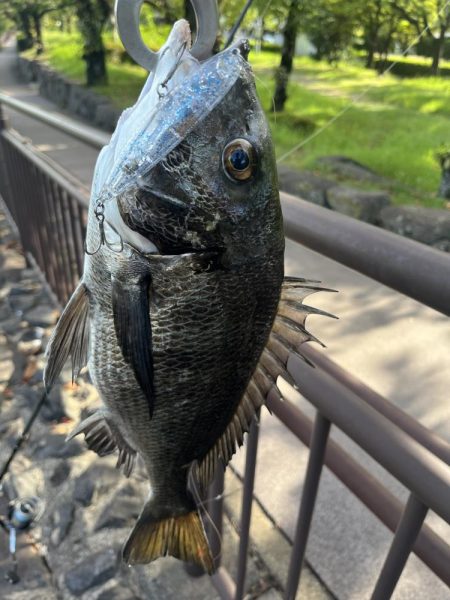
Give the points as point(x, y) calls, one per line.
point(331, 25)
point(430, 18)
point(27, 16)
point(380, 24)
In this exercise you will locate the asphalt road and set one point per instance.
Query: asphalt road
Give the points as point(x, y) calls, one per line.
point(395, 345)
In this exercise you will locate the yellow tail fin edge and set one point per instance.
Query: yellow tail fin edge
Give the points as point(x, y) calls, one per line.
point(180, 536)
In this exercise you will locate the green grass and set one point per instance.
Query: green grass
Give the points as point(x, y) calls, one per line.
point(395, 128)
point(395, 125)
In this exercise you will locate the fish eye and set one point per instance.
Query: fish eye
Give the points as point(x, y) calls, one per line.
point(239, 160)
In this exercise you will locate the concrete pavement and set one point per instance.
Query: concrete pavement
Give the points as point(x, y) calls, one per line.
point(78, 158)
point(395, 345)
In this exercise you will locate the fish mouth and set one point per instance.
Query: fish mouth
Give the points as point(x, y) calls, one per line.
point(121, 230)
point(158, 221)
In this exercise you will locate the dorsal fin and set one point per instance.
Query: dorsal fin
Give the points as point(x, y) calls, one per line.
point(288, 333)
point(69, 338)
point(104, 437)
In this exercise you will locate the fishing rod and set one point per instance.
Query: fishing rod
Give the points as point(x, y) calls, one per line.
point(20, 441)
point(238, 23)
point(22, 513)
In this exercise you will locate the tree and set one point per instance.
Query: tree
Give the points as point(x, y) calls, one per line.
point(287, 55)
point(330, 25)
point(92, 17)
point(380, 22)
point(27, 16)
point(430, 18)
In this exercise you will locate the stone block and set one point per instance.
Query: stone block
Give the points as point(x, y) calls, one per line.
point(94, 570)
point(427, 225)
point(106, 116)
point(348, 168)
point(359, 204)
point(304, 184)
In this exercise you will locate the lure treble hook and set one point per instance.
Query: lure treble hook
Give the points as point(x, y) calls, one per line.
point(127, 22)
point(113, 246)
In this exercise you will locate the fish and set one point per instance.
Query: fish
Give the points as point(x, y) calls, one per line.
point(183, 315)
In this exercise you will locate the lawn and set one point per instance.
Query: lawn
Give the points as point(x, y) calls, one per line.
point(394, 126)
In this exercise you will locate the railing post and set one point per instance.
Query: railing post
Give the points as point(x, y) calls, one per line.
point(215, 510)
point(4, 123)
point(246, 512)
point(316, 459)
point(5, 176)
point(407, 531)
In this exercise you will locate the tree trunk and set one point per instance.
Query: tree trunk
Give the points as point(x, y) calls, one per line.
point(438, 47)
point(370, 57)
point(259, 34)
point(444, 188)
point(38, 31)
point(287, 56)
point(25, 40)
point(95, 67)
point(92, 16)
point(384, 51)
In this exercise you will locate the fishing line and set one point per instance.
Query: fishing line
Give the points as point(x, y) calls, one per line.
point(262, 15)
point(267, 88)
point(219, 497)
point(144, 479)
point(362, 94)
point(210, 519)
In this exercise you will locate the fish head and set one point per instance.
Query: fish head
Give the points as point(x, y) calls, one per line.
point(198, 173)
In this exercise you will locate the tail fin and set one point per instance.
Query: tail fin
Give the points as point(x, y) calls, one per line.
point(181, 536)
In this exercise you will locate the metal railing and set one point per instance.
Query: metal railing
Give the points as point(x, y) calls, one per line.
point(50, 208)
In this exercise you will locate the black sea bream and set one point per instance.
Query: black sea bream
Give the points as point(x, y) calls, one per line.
point(182, 282)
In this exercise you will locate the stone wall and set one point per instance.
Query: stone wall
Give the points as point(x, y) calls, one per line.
point(429, 226)
point(80, 100)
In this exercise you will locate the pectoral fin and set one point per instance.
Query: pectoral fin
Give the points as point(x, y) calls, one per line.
point(69, 338)
point(103, 437)
point(131, 310)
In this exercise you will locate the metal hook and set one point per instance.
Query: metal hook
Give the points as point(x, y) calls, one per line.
point(127, 21)
point(116, 247)
point(163, 84)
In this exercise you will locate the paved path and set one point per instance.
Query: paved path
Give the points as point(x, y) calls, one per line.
point(76, 157)
point(393, 344)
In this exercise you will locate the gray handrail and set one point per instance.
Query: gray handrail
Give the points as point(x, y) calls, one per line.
point(89, 135)
point(48, 166)
point(411, 268)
